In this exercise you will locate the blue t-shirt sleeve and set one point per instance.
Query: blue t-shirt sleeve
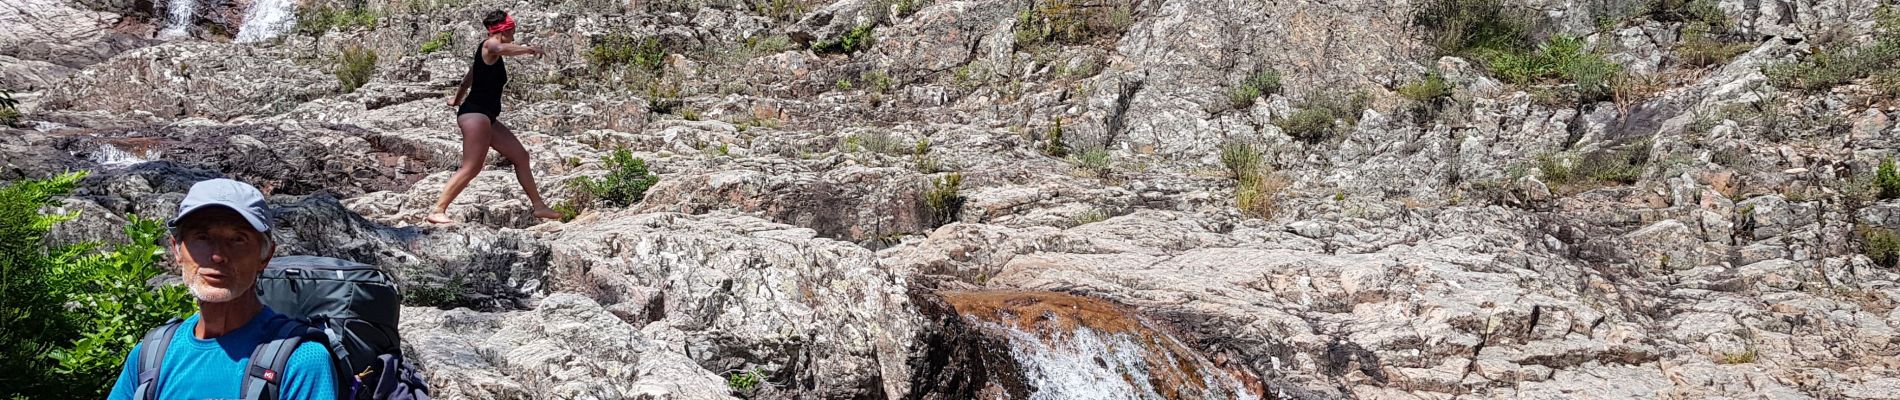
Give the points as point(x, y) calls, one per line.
point(128, 376)
point(309, 375)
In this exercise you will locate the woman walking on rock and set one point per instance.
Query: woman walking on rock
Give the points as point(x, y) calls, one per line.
point(477, 117)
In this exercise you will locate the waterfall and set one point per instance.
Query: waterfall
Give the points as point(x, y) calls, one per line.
point(266, 19)
point(1061, 346)
point(112, 157)
point(178, 18)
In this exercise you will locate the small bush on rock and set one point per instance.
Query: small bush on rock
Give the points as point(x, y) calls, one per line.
point(943, 199)
point(626, 182)
point(645, 54)
point(1262, 83)
point(858, 38)
point(1072, 21)
point(1837, 64)
point(1093, 162)
point(1879, 244)
point(317, 20)
point(433, 45)
point(1256, 187)
point(355, 67)
point(1322, 118)
point(1887, 179)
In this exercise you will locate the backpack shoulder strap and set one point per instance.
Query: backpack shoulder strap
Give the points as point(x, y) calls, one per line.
point(263, 377)
point(152, 356)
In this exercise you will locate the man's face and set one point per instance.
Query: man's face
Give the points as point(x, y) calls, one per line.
point(219, 254)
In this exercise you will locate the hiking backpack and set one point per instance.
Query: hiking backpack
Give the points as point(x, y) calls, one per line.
point(351, 308)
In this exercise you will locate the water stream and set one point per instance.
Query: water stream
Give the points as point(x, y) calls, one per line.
point(178, 14)
point(267, 19)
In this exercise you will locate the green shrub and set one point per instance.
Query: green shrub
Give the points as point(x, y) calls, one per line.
point(877, 81)
point(1054, 146)
point(1072, 21)
point(355, 67)
point(1744, 357)
point(435, 293)
point(626, 182)
point(1887, 179)
point(781, 10)
point(1701, 47)
point(1622, 165)
point(568, 210)
point(1882, 245)
point(1255, 184)
point(1464, 27)
point(645, 54)
point(48, 349)
point(1263, 82)
point(1561, 59)
point(433, 45)
point(317, 20)
point(116, 305)
point(1311, 125)
point(745, 381)
point(1837, 64)
point(943, 199)
point(1241, 159)
point(1705, 12)
point(858, 38)
point(1429, 89)
point(1834, 65)
point(1093, 162)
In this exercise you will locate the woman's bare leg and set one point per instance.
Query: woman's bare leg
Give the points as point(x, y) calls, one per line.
point(511, 148)
point(476, 138)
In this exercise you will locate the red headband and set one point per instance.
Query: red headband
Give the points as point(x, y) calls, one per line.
point(507, 23)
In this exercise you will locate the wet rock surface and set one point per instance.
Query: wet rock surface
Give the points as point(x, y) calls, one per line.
point(803, 241)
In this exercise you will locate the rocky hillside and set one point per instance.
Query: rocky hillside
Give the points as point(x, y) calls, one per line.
point(1045, 199)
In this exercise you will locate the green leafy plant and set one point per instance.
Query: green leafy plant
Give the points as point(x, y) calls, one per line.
point(355, 67)
point(117, 306)
point(1837, 64)
point(1054, 146)
point(856, 39)
point(319, 19)
point(626, 181)
point(1429, 89)
point(1072, 21)
point(433, 45)
point(745, 381)
point(943, 199)
point(1321, 118)
point(1264, 82)
point(1880, 244)
point(1255, 184)
point(1701, 46)
point(48, 349)
point(1093, 162)
point(643, 54)
point(1619, 165)
point(436, 293)
point(1887, 179)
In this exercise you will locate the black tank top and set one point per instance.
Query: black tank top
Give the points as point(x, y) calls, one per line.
point(484, 93)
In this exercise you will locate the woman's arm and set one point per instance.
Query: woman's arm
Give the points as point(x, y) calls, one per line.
point(462, 91)
point(511, 49)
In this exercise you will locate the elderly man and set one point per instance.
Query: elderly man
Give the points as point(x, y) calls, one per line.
point(220, 243)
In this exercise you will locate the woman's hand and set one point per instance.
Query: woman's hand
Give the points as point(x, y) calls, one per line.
point(455, 101)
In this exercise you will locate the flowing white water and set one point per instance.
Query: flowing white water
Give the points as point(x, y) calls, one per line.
point(1089, 364)
point(178, 18)
point(266, 20)
point(112, 156)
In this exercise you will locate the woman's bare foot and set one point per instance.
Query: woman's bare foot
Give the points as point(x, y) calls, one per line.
point(439, 218)
point(546, 213)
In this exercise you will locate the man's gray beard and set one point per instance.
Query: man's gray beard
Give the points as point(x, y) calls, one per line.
point(192, 284)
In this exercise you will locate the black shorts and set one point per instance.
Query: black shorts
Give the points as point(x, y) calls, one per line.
point(492, 112)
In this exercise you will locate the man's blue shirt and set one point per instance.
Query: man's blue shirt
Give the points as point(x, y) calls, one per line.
point(213, 369)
